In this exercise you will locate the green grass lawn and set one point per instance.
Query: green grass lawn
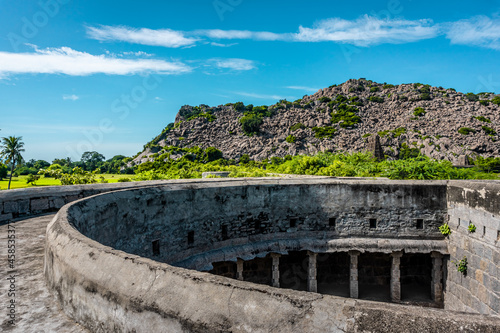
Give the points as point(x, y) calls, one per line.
point(20, 182)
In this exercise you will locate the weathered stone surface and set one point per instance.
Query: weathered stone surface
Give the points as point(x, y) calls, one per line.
point(11, 207)
point(39, 205)
point(57, 202)
point(5, 217)
point(37, 309)
point(477, 203)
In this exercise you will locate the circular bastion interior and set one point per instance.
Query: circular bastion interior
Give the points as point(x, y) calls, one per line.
point(275, 255)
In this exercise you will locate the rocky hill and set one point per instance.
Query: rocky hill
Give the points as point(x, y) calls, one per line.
point(441, 123)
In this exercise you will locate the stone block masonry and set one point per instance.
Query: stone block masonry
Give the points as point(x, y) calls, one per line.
point(478, 290)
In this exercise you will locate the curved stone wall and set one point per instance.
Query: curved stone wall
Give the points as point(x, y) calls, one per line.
point(262, 211)
point(98, 248)
point(476, 203)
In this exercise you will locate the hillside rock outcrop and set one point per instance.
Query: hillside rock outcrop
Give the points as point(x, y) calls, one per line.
point(441, 123)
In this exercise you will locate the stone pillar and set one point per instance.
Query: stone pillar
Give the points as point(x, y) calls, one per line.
point(239, 269)
point(276, 270)
point(437, 277)
point(353, 280)
point(395, 276)
point(312, 283)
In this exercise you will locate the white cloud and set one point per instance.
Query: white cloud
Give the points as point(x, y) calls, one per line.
point(70, 97)
point(368, 30)
point(479, 30)
point(138, 54)
point(240, 34)
point(303, 88)
point(144, 36)
point(158, 99)
point(65, 60)
point(233, 64)
point(364, 31)
point(222, 45)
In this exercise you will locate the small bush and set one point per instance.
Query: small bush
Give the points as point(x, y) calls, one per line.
point(425, 97)
point(212, 154)
point(398, 131)
point(387, 86)
point(445, 229)
point(325, 99)
point(483, 119)
point(346, 114)
point(296, 127)
point(291, 139)
point(419, 112)
point(488, 164)
point(471, 228)
point(355, 100)
point(239, 106)
point(376, 99)
point(374, 89)
point(466, 130)
point(488, 130)
point(383, 133)
point(462, 266)
point(496, 100)
point(250, 123)
point(32, 179)
point(324, 132)
point(338, 100)
point(406, 152)
point(484, 102)
point(124, 180)
point(472, 97)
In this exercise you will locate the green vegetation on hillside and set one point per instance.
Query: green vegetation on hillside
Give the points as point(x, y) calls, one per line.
point(297, 126)
point(466, 130)
point(346, 115)
point(324, 132)
point(483, 119)
point(419, 112)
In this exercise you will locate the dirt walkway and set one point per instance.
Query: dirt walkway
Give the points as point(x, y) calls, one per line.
point(36, 310)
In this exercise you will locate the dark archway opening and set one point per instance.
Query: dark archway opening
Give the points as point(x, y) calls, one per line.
point(258, 270)
point(293, 270)
point(374, 276)
point(416, 269)
point(224, 268)
point(333, 273)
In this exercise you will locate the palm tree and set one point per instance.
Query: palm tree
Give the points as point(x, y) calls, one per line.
point(11, 148)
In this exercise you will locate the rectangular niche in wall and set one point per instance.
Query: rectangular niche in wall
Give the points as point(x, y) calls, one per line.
point(420, 223)
point(156, 247)
point(373, 223)
point(191, 237)
point(332, 222)
point(224, 232)
point(293, 222)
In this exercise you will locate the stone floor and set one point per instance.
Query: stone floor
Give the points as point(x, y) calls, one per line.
point(37, 310)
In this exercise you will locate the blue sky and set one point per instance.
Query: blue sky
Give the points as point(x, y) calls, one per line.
point(108, 76)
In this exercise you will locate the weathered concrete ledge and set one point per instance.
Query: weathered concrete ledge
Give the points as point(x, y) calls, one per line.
point(38, 200)
point(106, 289)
